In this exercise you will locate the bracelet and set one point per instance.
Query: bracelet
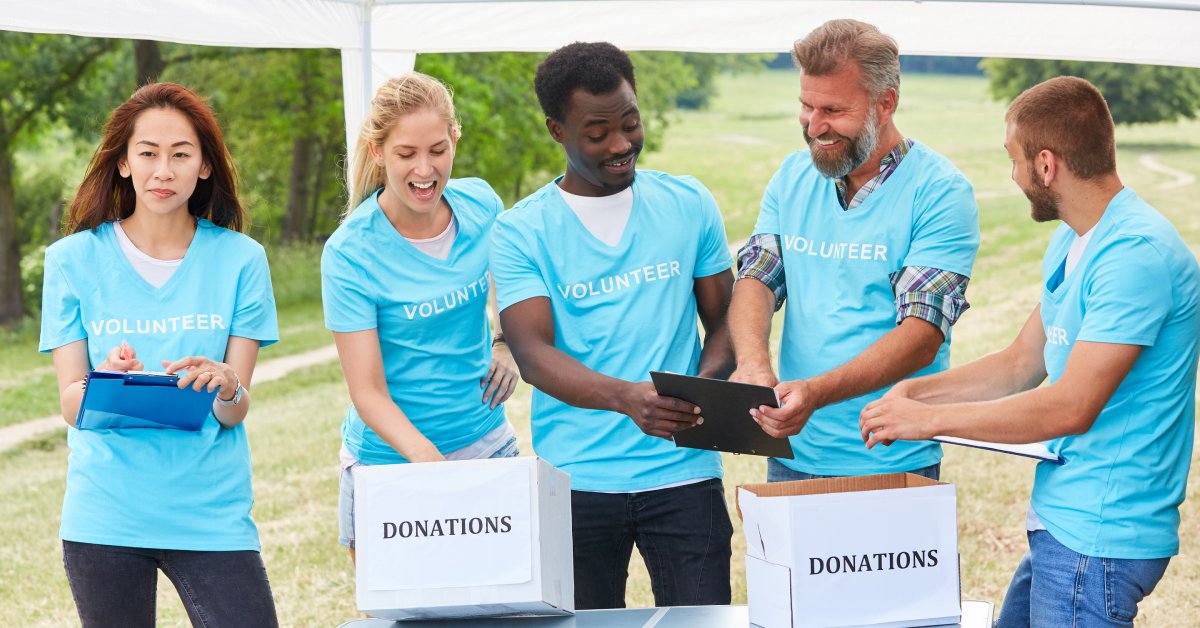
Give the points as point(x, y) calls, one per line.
point(237, 393)
point(497, 338)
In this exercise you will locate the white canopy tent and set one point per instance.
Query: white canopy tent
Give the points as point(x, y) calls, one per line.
point(381, 38)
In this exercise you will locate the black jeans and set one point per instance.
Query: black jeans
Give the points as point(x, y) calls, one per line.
point(682, 533)
point(116, 586)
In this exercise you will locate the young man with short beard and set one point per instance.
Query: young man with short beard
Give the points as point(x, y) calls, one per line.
point(870, 237)
point(1115, 335)
point(600, 276)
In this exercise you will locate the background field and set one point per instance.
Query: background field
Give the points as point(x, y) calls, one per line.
point(734, 147)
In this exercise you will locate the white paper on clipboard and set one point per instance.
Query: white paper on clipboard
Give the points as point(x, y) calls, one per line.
point(1037, 451)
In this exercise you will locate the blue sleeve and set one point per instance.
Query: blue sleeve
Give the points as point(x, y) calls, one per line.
point(497, 207)
point(254, 314)
point(516, 274)
point(946, 229)
point(713, 254)
point(62, 319)
point(768, 210)
point(481, 193)
point(345, 295)
point(1127, 294)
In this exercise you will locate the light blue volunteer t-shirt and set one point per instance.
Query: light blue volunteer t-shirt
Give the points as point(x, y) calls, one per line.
point(430, 314)
point(837, 265)
point(1118, 493)
point(158, 488)
point(620, 310)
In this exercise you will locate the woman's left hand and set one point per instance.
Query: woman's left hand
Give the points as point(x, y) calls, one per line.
point(501, 378)
point(205, 374)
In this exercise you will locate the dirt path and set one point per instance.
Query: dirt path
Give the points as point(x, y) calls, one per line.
point(1180, 179)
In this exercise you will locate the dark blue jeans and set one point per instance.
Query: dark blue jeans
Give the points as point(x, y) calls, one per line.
point(683, 535)
point(116, 586)
point(778, 472)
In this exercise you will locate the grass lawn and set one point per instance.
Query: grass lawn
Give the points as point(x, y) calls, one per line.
point(734, 148)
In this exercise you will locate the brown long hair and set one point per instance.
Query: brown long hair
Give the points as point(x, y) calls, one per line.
point(104, 195)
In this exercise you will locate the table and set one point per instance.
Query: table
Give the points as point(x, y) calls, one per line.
point(976, 614)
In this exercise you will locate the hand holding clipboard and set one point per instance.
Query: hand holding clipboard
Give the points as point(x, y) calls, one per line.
point(726, 407)
point(137, 399)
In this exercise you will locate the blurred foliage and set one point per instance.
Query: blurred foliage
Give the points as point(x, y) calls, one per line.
point(267, 100)
point(1135, 93)
point(504, 137)
point(45, 81)
point(704, 69)
point(32, 272)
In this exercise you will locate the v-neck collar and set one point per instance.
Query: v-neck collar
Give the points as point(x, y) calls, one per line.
point(1099, 231)
point(134, 278)
point(626, 233)
point(395, 237)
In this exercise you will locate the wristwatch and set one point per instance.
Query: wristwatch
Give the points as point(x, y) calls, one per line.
point(237, 395)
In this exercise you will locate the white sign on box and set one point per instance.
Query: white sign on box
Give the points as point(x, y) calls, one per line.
point(430, 525)
point(471, 538)
point(866, 551)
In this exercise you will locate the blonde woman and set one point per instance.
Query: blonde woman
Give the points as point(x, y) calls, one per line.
point(405, 285)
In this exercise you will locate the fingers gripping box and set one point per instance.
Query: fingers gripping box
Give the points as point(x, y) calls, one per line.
point(877, 550)
point(470, 538)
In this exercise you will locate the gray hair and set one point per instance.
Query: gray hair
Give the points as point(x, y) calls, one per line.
point(832, 44)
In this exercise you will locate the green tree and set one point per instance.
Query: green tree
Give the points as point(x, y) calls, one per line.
point(705, 67)
point(43, 81)
point(281, 111)
point(504, 137)
point(1135, 93)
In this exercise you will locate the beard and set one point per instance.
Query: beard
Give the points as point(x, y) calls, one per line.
point(1043, 203)
point(835, 165)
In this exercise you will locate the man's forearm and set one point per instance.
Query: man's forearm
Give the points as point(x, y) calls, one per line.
point(1016, 368)
point(991, 377)
point(1027, 417)
point(749, 322)
point(908, 348)
point(716, 358)
point(566, 379)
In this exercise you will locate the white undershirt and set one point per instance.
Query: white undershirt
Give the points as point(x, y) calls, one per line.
point(439, 245)
point(1073, 254)
point(156, 272)
point(1076, 251)
point(604, 216)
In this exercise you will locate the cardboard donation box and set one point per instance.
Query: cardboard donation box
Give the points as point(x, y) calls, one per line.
point(879, 550)
point(470, 538)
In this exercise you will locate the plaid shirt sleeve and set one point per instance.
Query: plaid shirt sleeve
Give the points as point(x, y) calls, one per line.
point(934, 295)
point(761, 258)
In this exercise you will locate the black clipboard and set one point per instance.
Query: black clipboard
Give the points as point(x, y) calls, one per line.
point(725, 407)
point(119, 399)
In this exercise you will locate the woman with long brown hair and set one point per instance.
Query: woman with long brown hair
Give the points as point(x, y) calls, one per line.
point(155, 272)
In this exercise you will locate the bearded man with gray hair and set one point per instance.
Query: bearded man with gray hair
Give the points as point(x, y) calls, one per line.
point(870, 238)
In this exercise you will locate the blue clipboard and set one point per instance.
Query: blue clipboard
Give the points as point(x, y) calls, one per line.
point(118, 400)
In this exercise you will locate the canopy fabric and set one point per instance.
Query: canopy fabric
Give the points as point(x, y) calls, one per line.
point(381, 38)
